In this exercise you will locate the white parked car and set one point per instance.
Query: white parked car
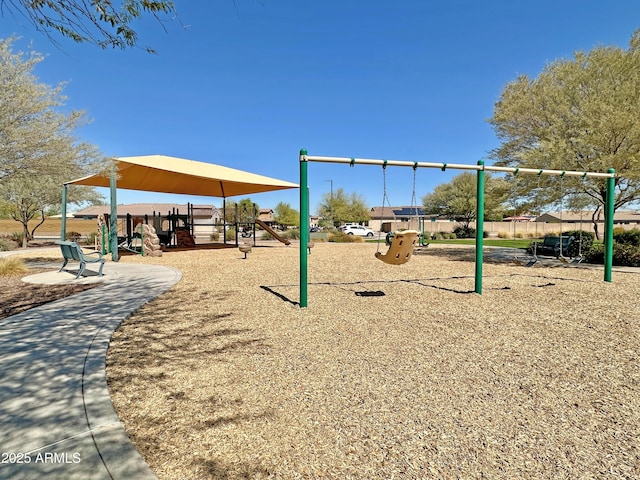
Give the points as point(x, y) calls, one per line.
point(357, 230)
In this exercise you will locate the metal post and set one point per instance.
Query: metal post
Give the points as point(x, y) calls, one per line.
point(608, 233)
point(331, 201)
point(479, 226)
point(237, 226)
point(304, 228)
point(63, 229)
point(113, 227)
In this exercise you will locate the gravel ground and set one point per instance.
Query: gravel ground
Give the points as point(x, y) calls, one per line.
point(392, 372)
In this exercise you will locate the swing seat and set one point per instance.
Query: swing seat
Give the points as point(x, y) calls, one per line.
point(401, 248)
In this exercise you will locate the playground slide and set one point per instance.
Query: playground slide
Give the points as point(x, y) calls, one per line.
point(272, 232)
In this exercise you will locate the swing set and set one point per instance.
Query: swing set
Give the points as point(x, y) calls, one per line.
point(398, 252)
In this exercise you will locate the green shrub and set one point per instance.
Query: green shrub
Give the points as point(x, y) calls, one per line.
point(464, 232)
point(626, 255)
point(595, 254)
point(467, 232)
point(230, 234)
point(16, 237)
point(214, 237)
point(627, 237)
point(623, 255)
point(579, 237)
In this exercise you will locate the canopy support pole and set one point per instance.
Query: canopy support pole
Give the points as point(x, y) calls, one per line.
point(113, 218)
point(63, 229)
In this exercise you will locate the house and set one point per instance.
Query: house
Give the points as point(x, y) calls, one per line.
point(267, 216)
point(203, 218)
point(620, 218)
point(208, 212)
point(391, 218)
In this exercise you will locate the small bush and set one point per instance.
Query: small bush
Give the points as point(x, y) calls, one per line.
point(73, 236)
point(595, 254)
point(464, 232)
point(91, 238)
point(627, 237)
point(230, 234)
point(504, 235)
point(6, 245)
point(214, 237)
point(626, 255)
point(292, 234)
point(340, 237)
point(623, 255)
point(579, 237)
point(12, 266)
point(16, 237)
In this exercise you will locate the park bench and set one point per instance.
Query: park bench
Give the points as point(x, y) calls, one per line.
point(73, 251)
point(550, 245)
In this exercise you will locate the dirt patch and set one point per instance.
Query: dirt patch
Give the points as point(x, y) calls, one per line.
point(17, 296)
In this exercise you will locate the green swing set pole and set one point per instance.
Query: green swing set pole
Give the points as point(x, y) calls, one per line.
point(304, 228)
point(479, 226)
point(608, 233)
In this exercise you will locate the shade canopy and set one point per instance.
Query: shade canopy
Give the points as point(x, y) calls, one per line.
point(160, 173)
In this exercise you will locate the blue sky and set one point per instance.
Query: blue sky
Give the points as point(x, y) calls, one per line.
point(248, 85)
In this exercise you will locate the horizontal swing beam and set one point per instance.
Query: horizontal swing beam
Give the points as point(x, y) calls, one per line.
point(454, 166)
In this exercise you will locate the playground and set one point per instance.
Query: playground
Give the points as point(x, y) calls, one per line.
point(392, 371)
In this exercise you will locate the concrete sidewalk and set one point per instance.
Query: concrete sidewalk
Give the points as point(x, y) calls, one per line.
point(56, 416)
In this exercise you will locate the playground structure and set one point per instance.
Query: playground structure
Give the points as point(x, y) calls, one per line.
point(480, 169)
point(173, 175)
point(149, 235)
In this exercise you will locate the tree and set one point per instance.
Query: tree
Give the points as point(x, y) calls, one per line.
point(285, 215)
point(99, 22)
point(457, 199)
point(38, 148)
point(247, 211)
point(342, 207)
point(579, 114)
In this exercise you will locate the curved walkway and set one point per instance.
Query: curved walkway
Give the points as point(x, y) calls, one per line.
point(56, 416)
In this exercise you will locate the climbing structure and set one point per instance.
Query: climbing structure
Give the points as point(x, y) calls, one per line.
point(150, 241)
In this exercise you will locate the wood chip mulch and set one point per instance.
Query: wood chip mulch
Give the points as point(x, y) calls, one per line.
point(17, 296)
point(392, 372)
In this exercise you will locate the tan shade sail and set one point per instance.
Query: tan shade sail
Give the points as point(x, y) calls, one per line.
point(160, 173)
